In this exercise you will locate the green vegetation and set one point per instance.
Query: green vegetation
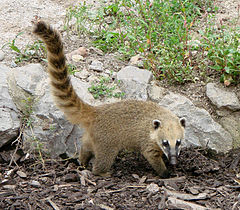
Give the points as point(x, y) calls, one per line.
point(27, 122)
point(36, 50)
point(102, 89)
point(72, 69)
point(162, 31)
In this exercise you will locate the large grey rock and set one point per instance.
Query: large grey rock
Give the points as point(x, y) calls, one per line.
point(134, 82)
point(135, 74)
point(134, 90)
point(231, 122)
point(23, 82)
point(201, 129)
point(222, 98)
point(48, 130)
point(9, 121)
point(156, 93)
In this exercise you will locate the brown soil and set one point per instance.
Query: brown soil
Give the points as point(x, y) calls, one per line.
point(64, 185)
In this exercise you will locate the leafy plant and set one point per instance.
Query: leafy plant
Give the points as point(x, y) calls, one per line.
point(102, 89)
point(223, 52)
point(36, 50)
point(161, 31)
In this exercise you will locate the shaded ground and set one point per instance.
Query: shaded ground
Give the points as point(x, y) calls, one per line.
point(134, 185)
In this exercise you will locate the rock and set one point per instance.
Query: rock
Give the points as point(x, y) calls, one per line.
point(135, 74)
point(185, 196)
point(153, 188)
point(9, 115)
point(231, 123)
point(134, 82)
point(48, 130)
point(2, 55)
point(34, 183)
point(156, 93)
point(96, 66)
point(83, 51)
point(9, 187)
point(136, 60)
point(23, 82)
point(133, 89)
point(201, 129)
point(84, 74)
point(77, 55)
point(77, 58)
point(193, 191)
point(174, 203)
point(222, 98)
point(21, 174)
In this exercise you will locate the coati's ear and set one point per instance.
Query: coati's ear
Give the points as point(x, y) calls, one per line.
point(156, 124)
point(183, 122)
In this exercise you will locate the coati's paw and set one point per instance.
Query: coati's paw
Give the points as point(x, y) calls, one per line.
point(165, 174)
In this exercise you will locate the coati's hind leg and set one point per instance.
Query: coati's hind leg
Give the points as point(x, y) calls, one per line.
point(86, 152)
point(104, 158)
point(154, 157)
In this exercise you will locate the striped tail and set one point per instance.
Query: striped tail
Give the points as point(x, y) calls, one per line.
point(67, 100)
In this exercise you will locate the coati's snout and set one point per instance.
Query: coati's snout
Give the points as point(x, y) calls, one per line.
point(171, 151)
point(170, 142)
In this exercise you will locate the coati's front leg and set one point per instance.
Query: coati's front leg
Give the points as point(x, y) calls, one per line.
point(153, 154)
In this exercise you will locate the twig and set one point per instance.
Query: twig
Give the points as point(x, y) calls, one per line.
point(53, 204)
point(121, 189)
point(18, 140)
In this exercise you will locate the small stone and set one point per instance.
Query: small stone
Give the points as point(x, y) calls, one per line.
point(136, 60)
point(135, 176)
point(82, 74)
point(21, 174)
point(9, 187)
point(142, 180)
point(222, 98)
point(135, 74)
point(77, 58)
point(153, 188)
point(193, 191)
point(35, 183)
point(82, 51)
point(2, 55)
point(96, 66)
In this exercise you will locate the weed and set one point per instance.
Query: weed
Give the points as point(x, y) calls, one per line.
point(102, 89)
point(27, 111)
point(36, 50)
point(72, 69)
point(223, 52)
point(162, 32)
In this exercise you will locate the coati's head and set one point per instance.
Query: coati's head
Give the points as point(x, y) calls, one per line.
point(169, 135)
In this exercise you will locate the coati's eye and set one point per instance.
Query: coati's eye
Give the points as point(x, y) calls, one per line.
point(178, 142)
point(165, 143)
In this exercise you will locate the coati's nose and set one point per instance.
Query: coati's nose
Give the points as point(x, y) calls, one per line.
point(173, 160)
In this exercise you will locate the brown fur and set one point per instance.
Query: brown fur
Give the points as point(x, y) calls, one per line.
point(112, 127)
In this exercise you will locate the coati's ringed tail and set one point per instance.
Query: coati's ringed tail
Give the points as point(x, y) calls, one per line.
point(65, 96)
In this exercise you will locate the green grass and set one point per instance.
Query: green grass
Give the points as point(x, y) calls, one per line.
point(102, 89)
point(162, 32)
point(35, 50)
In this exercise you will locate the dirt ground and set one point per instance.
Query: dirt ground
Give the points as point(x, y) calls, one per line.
point(53, 184)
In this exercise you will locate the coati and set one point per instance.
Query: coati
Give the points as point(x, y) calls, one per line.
point(128, 124)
